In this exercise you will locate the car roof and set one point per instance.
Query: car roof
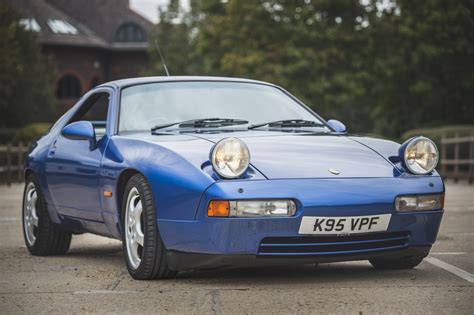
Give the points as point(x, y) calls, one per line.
point(156, 79)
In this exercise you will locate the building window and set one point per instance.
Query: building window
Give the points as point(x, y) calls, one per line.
point(68, 87)
point(30, 25)
point(61, 27)
point(130, 32)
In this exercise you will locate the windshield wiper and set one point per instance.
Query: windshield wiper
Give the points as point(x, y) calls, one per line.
point(203, 123)
point(289, 123)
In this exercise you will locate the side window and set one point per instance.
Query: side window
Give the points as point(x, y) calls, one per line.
point(95, 110)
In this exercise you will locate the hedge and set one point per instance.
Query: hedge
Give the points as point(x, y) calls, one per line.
point(31, 132)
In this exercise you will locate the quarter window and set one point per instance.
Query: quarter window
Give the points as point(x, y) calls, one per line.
point(95, 110)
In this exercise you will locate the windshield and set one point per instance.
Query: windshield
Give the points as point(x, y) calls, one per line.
point(145, 106)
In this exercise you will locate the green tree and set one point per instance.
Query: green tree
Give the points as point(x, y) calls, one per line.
point(423, 65)
point(315, 49)
point(26, 93)
point(380, 66)
point(174, 36)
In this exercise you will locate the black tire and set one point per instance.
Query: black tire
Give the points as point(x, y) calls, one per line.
point(153, 264)
point(397, 263)
point(50, 238)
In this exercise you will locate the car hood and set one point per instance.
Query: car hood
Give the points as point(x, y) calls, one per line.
point(280, 155)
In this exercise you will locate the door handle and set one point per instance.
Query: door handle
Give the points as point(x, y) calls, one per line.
point(52, 150)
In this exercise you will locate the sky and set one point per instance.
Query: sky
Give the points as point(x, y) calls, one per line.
point(149, 8)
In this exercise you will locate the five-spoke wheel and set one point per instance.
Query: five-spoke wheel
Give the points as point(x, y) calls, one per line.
point(42, 235)
point(30, 221)
point(145, 253)
point(133, 227)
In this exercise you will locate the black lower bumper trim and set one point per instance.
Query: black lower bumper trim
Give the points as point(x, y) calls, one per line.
point(185, 261)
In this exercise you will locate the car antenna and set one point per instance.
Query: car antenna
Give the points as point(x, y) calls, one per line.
point(161, 57)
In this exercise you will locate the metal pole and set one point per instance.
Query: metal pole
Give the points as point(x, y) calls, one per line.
point(443, 154)
point(471, 158)
point(9, 163)
point(20, 162)
point(456, 159)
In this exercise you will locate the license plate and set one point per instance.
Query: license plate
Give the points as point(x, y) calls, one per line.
point(344, 225)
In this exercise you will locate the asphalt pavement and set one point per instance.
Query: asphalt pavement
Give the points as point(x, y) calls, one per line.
point(92, 277)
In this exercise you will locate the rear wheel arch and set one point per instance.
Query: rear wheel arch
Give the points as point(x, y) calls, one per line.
point(27, 173)
point(46, 237)
point(30, 172)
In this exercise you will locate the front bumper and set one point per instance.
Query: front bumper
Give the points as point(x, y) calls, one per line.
point(186, 261)
point(231, 241)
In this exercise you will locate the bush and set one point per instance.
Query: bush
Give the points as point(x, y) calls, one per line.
point(31, 132)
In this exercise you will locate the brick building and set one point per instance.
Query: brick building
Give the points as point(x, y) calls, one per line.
point(89, 41)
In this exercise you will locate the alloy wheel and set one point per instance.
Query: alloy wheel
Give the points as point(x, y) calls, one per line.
point(134, 236)
point(30, 215)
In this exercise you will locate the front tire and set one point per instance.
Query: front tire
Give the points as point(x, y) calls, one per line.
point(42, 236)
point(397, 263)
point(145, 253)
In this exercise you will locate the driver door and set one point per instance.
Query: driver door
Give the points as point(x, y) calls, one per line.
point(73, 166)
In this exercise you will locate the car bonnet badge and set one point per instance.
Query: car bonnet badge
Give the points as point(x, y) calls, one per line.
point(333, 171)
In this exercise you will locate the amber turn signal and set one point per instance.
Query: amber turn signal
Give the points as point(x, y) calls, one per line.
point(107, 194)
point(218, 208)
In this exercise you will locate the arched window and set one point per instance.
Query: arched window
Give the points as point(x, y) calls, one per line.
point(130, 32)
point(68, 87)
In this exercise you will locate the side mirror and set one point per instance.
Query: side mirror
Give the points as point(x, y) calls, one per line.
point(80, 130)
point(337, 125)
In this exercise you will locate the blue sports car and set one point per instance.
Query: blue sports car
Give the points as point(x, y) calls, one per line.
point(207, 172)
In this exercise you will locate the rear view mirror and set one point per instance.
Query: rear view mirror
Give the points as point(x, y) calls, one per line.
point(337, 125)
point(80, 130)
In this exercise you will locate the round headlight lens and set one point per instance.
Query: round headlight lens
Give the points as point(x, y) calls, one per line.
point(421, 155)
point(230, 157)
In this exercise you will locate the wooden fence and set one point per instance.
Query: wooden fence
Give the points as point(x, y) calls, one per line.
point(12, 162)
point(457, 159)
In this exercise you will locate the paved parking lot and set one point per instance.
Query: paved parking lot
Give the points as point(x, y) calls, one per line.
point(93, 278)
